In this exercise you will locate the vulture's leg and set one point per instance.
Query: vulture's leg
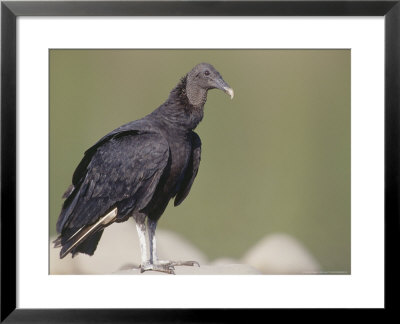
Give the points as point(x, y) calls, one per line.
point(141, 229)
point(153, 251)
point(148, 264)
point(154, 264)
point(152, 240)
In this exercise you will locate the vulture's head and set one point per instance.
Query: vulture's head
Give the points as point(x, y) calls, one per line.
point(200, 79)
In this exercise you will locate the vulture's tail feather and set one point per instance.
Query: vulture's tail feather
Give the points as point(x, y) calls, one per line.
point(85, 239)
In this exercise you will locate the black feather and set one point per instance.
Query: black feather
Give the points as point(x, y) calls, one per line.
point(138, 167)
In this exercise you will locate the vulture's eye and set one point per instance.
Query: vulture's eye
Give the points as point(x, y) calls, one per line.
point(207, 73)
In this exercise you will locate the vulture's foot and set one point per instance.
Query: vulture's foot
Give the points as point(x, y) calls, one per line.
point(167, 268)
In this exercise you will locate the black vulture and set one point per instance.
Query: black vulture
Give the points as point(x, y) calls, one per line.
point(137, 169)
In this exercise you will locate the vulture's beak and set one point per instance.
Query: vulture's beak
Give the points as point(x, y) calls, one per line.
point(222, 85)
point(229, 91)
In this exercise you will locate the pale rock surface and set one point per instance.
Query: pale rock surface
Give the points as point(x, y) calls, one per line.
point(118, 252)
point(281, 254)
point(63, 267)
point(171, 246)
point(225, 261)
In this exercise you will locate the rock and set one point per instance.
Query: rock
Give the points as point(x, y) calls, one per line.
point(171, 246)
point(119, 249)
point(229, 269)
point(225, 261)
point(57, 266)
point(281, 254)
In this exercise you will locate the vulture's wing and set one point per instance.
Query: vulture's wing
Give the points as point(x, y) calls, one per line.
point(191, 170)
point(120, 172)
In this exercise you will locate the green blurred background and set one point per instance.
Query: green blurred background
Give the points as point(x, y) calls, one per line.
point(274, 159)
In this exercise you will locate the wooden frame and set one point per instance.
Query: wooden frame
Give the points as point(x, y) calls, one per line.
point(11, 10)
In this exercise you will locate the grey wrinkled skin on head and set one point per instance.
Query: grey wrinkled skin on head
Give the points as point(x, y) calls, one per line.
point(139, 167)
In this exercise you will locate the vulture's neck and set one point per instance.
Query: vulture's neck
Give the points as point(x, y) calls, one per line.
point(190, 95)
point(197, 96)
point(184, 107)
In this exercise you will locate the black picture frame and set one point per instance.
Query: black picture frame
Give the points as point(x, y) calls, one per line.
point(10, 10)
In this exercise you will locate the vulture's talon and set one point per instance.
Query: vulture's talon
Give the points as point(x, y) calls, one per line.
point(180, 263)
point(187, 263)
